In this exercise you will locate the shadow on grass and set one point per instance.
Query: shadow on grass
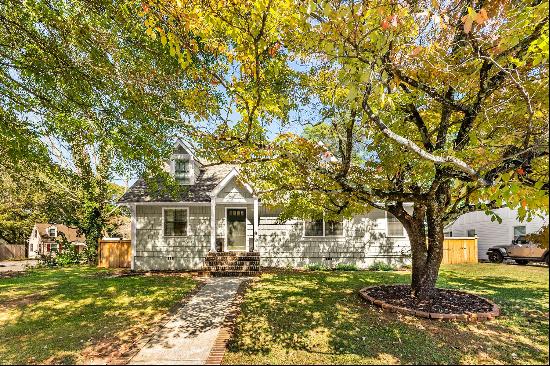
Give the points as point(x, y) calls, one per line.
point(320, 316)
point(77, 308)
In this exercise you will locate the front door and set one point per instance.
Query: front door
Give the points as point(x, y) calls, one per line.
point(236, 229)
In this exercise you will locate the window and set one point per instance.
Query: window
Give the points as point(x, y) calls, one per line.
point(323, 228)
point(52, 232)
point(54, 247)
point(175, 221)
point(334, 228)
point(395, 227)
point(471, 233)
point(182, 171)
point(519, 231)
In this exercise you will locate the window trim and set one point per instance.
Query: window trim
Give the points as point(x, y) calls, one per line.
point(55, 229)
point(187, 231)
point(324, 230)
point(404, 232)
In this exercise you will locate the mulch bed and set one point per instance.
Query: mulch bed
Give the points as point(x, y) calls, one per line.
point(445, 304)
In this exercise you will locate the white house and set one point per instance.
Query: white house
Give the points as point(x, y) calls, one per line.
point(44, 238)
point(492, 233)
point(218, 216)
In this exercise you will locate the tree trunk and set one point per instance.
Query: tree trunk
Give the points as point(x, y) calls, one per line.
point(426, 247)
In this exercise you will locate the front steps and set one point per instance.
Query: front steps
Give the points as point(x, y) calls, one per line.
point(232, 264)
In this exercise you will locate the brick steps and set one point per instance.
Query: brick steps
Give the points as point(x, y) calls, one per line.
point(229, 264)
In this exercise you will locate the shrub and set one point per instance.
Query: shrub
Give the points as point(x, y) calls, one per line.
point(345, 267)
point(66, 256)
point(317, 267)
point(381, 266)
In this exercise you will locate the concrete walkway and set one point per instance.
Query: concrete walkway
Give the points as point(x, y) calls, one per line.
point(188, 337)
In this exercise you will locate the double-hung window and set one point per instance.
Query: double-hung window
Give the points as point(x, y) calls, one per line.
point(182, 172)
point(175, 221)
point(324, 228)
point(395, 227)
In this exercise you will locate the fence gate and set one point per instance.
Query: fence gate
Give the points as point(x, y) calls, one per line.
point(115, 253)
point(459, 250)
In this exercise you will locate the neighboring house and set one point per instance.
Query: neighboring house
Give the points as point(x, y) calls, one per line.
point(218, 212)
point(44, 238)
point(492, 233)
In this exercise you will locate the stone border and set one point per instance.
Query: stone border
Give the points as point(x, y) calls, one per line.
point(466, 317)
point(215, 357)
point(138, 344)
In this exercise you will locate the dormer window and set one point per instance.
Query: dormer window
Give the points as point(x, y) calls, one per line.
point(183, 164)
point(182, 171)
point(52, 232)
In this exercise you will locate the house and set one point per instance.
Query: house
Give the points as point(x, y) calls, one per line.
point(492, 233)
point(219, 214)
point(44, 238)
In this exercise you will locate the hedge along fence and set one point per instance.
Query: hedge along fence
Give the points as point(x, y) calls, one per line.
point(115, 253)
point(458, 250)
point(12, 251)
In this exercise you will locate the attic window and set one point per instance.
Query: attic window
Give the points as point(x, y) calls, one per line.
point(182, 171)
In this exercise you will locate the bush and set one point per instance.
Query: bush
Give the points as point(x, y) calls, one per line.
point(382, 266)
point(317, 267)
point(346, 267)
point(66, 256)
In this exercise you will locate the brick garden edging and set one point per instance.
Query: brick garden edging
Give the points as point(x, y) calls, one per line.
point(220, 344)
point(466, 317)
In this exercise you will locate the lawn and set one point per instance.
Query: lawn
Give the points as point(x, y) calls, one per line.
point(76, 314)
point(318, 318)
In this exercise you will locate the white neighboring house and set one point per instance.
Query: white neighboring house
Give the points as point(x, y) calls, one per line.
point(43, 239)
point(218, 212)
point(491, 233)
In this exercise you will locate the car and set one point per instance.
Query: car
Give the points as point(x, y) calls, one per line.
point(522, 251)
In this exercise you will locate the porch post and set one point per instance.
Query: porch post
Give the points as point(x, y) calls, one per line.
point(256, 220)
point(213, 224)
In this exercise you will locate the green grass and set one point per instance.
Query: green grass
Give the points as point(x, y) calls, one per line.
point(318, 318)
point(75, 314)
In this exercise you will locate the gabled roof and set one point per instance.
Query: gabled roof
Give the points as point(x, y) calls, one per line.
point(70, 233)
point(232, 174)
point(207, 180)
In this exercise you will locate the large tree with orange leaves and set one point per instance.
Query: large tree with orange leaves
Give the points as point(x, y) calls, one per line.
point(442, 104)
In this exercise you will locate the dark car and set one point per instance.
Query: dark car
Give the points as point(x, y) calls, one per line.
point(521, 250)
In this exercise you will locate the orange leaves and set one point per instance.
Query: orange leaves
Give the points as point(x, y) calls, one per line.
point(272, 51)
point(472, 17)
point(481, 17)
point(416, 51)
point(391, 21)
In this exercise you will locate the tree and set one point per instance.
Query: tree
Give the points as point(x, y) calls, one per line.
point(98, 98)
point(440, 104)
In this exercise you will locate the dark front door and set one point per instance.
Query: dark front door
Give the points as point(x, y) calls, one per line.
point(236, 229)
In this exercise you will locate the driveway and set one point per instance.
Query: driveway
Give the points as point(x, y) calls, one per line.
point(189, 336)
point(17, 266)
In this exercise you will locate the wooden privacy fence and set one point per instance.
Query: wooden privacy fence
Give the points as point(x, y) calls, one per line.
point(12, 251)
point(459, 250)
point(115, 253)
